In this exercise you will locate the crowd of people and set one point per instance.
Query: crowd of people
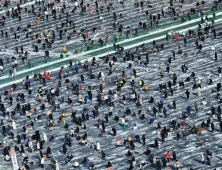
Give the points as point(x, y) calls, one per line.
point(124, 104)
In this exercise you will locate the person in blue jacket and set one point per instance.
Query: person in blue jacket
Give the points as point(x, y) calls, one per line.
point(188, 109)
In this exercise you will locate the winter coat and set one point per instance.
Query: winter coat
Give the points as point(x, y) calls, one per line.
point(30, 145)
point(158, 162)
point(38, 145)
point(177, 164)
point(140, 101)
point(198, 129)
point(103, 76)
point(132, 77)
point(44, 136)
point(202, 157)
point(188, 108)
point(42, 161)
point(64, 148)
point(164, 162)
point(14, 125)
point(167, 155)
point(57, 166)
point(184, 133)
point(97, 146)
point(174, 156)
point(156, 143)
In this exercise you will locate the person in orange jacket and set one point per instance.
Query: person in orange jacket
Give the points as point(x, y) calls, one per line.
point(49, 76)
point(168, 156)
point(45, 73)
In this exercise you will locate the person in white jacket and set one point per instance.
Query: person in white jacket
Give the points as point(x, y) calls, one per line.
point(72, 132)
point(14, 125)
point(202, 157)
point(57, 165)
point(42, 162)
point(44, 136)
point(102, 75)
point(97, 146)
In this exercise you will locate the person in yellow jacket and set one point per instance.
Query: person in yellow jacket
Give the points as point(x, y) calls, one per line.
point(64, 48)
point(177, 164)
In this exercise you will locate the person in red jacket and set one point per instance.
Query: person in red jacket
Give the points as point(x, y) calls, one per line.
point(49, 76)
point(168, 156)
point(183, 122)
point(45, 73)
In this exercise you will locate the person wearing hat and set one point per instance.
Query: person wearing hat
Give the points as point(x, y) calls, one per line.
point(76, 164)
point(69, 157)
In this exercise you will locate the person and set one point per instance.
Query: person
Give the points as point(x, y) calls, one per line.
point(168, 156)
point(174, 155)
point(188, 94)
point(164, 162)
point(158, 163)
point(143, 164)
point(114, 131)
point(208, 160)
point(91, 166)
point(212, 127)
point(188, 109)
point(156, 143)
point(202, 158)
point(184, 134)
point(177, 164)
point(42, 162)
point(196, 107)
point(144, 139)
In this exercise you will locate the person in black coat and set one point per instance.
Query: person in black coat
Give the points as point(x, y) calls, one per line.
point(114, 131)
point(208, 122)
point(41, 144)
point(19, 139)
point(82, 78)
point(148, 152)
point(174, 156)
point(64, 148)
point(163, 136)
point(48, 152)
point(154, 111)
point(3, 129)
point(158, 163)
point(212, 127)
point(164, 162)
point(156, 143)
point(188, 94)
point(144, 139)
point(22, 149)
point(37, 135)
point(174, 105)
point(178, 136)
point(109, 165)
